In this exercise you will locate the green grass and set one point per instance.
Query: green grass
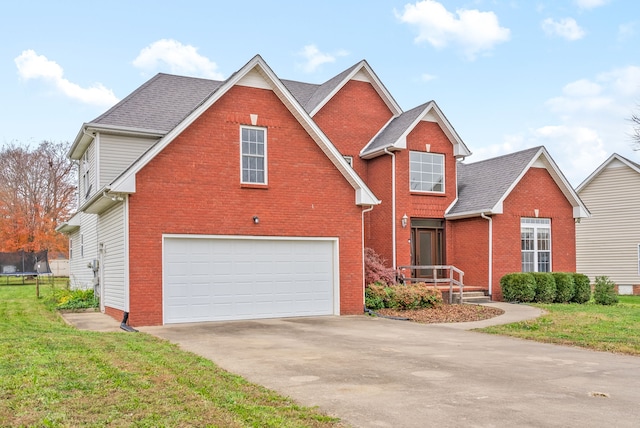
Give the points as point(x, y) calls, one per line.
point(614, 328)
point(53, 375)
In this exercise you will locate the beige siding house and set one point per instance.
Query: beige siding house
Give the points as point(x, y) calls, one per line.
point(608, 243)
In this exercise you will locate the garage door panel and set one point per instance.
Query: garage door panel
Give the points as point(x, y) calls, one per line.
point(207, 279)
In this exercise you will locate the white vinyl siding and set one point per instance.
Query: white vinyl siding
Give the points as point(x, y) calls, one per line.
point(87, 174)
point(80, 276)
point(117, 153)
point(607, 242)
point(111, 229)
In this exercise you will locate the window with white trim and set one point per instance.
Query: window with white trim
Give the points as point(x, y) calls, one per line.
point(535, 244)
point(426, 172)
point(86, 178)
point(253, 154)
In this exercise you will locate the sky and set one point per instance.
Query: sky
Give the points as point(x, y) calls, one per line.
point(508, 75)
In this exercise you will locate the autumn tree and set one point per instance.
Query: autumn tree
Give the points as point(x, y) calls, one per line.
point(37, 192)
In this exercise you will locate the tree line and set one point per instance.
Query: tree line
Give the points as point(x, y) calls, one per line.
point(37, 193)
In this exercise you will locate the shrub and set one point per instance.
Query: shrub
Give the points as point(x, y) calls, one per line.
point(412, 296)
point(518, 287)
point(545, 287)
point(375, 269)
point(565, 288)
point(605, 291)
point(74, 299)
point(582, 288)
point(375, 295)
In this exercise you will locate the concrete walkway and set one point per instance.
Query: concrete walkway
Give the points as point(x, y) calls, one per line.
point(374, 372)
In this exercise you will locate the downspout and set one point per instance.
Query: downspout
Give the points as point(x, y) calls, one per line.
point(393, 205)
point(490, 252)
point(363, 255)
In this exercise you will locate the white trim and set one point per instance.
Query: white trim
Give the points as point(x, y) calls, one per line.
point(598, 170)
point(126, 263)
point(363, 195)
point(336, 257)
point(264, 156)
point(535, 226)
point(444, 176)
point(357, 74)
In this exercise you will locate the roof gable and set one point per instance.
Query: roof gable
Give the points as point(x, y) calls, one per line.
point(394, 135)
point(153, 109)
point(255, 73)
point(360, 71)
point(483, 186)
point(613, 161)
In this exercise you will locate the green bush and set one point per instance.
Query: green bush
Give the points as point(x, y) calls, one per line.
point(411, 296)
point(74, 299)
point(605, 291)
point(518, 287)
point(545, 287)
point(565, 288)
point(375, 295)
point(582, 292)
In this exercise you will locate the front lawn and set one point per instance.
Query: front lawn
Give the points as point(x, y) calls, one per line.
point(54, 375)
point(613, 328)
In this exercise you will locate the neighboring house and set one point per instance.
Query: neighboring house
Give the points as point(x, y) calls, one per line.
point(608, 243)
point(255, 197)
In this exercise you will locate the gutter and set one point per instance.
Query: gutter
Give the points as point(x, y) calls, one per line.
point(393, 205)
point(363, 255)
point(490, 252)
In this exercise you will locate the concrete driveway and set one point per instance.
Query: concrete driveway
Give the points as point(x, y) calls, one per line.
point(374, 372)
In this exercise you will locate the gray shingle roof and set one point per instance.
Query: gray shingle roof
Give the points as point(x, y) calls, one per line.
point(394, 130)
point(481, 185)
point(159, 104)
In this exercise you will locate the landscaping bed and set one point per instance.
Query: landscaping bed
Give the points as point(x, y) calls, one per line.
point(444, 313)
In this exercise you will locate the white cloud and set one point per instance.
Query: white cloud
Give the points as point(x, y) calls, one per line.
point(180, 59)
point(426, 77)
point(566, 28)
point(314, 58)
point(472, 31)
point(590, 4)
point(591, 120)
point(626, 31)
point(32, 66)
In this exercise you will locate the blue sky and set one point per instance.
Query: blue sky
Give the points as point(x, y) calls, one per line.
point(507, 74)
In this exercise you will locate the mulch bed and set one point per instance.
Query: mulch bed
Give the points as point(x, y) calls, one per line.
point(445, 313)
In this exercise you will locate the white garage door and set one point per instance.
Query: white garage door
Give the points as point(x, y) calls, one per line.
point(211, 279)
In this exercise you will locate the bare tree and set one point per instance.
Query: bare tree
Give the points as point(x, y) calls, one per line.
point(635, 119)
point(37, 191)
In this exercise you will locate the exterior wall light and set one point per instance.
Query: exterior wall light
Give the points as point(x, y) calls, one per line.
point(256, 220)
point(404, 220)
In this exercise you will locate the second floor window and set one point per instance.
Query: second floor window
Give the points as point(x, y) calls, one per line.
point(253, 147)
point(426, 172)
point(86, 179)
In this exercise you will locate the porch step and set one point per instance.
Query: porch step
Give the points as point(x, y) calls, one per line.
point(471, 297)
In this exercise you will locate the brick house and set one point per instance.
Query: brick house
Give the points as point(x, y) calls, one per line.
point(255, 198)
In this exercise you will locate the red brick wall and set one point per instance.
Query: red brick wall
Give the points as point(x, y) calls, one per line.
point(416, 204)
point(536, 190)
point(193, 187)
point(468, 248)
point(351, 118)
point(378, 223)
